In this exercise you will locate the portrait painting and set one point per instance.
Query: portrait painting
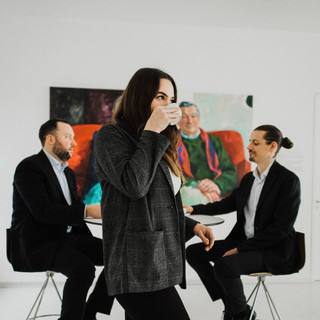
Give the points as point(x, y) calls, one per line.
point(213, 158)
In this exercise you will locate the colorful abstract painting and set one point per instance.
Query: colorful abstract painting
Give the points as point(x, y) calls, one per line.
point(82, 106)
point(86, 110)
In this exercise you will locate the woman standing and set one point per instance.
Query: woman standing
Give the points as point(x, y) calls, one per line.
point(144, 227)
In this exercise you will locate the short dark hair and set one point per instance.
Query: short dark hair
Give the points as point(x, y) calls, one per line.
point(274, 134)
point(48, 128)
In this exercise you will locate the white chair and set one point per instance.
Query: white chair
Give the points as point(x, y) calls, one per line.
point(261, 278)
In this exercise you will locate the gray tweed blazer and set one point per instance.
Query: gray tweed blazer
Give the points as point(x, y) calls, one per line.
point(144, 227)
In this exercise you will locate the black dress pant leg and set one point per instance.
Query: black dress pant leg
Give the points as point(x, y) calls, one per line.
point(79, 271)
point(158, 305)
point(76, 259)
point(201, 261)
point(98, 301)
point(222, 280)
point(228, 270)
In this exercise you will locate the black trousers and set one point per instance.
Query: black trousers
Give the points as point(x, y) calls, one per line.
point(222, 280)
point(76, 259)
point(158, 305)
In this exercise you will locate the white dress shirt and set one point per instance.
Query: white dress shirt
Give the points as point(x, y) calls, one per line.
point(58, 169)
point(251, 205)
point(176, 181)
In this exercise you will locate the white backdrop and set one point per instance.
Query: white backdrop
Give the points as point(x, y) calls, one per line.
point(99, 44)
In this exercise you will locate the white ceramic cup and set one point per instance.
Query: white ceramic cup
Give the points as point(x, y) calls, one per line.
point(174, 105)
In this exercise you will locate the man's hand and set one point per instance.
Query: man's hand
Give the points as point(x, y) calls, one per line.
point(188, 209)
point(231, 252)
point(94, 211)
point(205, 234)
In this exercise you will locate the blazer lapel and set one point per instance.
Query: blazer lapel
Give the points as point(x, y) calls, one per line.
point(271, 177)
point(49, 170)
point(165, 169)
point(71, 184)
point(247, 190)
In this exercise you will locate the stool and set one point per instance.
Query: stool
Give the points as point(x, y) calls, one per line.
point(261, 277)
point(37, 303)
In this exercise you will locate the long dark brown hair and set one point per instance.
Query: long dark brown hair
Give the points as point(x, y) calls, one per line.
point(134, 110)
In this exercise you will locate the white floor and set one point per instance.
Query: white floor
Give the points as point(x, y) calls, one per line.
point(299, 301)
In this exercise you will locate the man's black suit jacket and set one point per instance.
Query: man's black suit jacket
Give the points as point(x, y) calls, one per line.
point(41, 214)
point(276, 213)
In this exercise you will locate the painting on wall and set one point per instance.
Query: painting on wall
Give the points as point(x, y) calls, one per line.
point(86, 110)
point(227, 117)
point(82, 106)
point(226, 112)
point(214, 159)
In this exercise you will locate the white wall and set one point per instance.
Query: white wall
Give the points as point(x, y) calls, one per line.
point(40, 49)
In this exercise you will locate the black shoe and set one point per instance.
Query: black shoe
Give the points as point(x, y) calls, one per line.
point(89, 315)
point(245, 315)
point(226, 316)
point(253, 316)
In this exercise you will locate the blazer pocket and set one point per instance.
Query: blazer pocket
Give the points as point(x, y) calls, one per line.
point(146, 260)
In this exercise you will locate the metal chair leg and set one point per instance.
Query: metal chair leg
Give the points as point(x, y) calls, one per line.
point(37, 303)
point(253, 291)
point(256, 290)
point(272, 307)
point(51, 274)
point(270, 301)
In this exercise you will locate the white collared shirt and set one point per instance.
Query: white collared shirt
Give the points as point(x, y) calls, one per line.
point(176, 181)
point(251, 205)
point(58, 169)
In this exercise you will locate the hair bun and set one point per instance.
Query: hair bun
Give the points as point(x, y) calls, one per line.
point(286, 143)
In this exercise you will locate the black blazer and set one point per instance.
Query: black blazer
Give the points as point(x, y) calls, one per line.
point(41, 214)
point(276, 213)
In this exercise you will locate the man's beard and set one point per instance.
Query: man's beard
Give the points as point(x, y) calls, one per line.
point(251, 156)
point(61, 153)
